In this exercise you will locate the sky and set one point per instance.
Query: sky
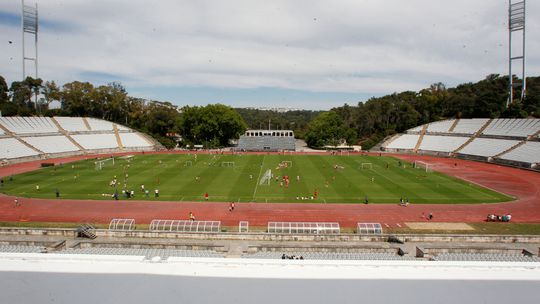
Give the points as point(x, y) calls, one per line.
point(309, 54)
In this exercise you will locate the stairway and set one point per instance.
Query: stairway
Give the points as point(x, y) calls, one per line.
point(66, 134)
point(87, 124)
point(421, 138)
point(118, 139)
point(475, 135)
point(535, 135)
point(86, 231)
point(456, 121)
point(521, 143)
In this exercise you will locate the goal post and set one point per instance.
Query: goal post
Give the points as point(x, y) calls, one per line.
point(266, 178)
point(102, 163)
point(364, 166)
point(418, 164)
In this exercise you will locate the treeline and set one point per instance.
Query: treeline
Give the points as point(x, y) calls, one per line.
point(297, 120)
point(369, 122)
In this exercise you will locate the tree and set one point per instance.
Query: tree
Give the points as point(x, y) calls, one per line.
point(3, 90)
point(212, 125)
point(77, 98)
point(51, 92)
point(329, 129)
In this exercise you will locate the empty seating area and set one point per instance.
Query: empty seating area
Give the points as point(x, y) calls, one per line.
point(309, 255)
point(146, 252)
point(528, 153)
point(72, 124)
point(504, 140)
point(26, 138)
point(21, 249)
point(51, 144)
point(266, 143)
point(99, 125)
point(133, 140)
point(96, 141)
point(404, 142)
point(513, 127)
point(442, 126)
point(29, 125)
point(485, 257)
point(12, 148)
point(469, 126)
point(488, 147)
point(442, 143)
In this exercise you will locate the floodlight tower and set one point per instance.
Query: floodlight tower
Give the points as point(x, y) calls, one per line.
point(516, 23)
point(29, 25)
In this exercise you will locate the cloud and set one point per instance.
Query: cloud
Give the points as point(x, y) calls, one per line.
point(363, 47)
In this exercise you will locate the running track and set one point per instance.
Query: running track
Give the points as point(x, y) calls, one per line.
point(522, 184)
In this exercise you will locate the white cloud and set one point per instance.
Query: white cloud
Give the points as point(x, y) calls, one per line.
point(364, 46)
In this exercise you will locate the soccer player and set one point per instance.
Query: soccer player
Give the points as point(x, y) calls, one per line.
point(206, 196)
point(142, 187)
point(156, 193)
point(57, 192)
point(191, 216)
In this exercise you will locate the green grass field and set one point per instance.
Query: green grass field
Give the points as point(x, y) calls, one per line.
point(184, 177)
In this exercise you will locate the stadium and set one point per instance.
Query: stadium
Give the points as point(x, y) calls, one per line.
point(134, 200)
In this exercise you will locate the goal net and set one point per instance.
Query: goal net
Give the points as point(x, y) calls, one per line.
point(266, 178)
point(102, 163)
point(422, 165)
point(188, 163)
point(366, 166)
point(227, 164)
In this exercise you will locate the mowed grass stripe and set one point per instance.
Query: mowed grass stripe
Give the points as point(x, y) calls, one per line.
point(243, 185)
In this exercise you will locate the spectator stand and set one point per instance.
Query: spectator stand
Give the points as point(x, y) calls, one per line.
point(369, 228)
point(119, 224)
point(184, 226)
point(304, 227)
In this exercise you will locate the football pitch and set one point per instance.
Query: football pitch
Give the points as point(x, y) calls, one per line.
point(247, 178)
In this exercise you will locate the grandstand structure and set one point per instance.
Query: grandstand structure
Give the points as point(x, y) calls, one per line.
point(30, 138)
point(267, 140)
point(506, 141)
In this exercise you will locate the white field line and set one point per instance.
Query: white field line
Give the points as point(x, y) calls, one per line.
point(258, 178)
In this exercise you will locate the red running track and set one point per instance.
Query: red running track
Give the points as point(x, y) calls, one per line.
point(522, 184)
